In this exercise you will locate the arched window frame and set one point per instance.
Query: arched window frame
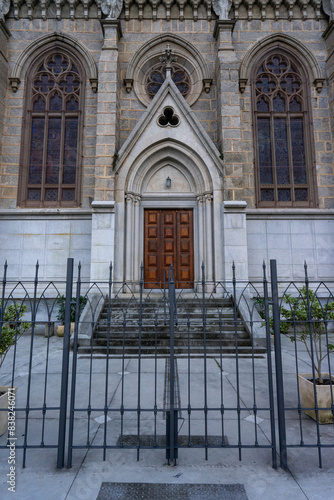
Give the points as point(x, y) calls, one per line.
point(306, 115)
point(26, 137)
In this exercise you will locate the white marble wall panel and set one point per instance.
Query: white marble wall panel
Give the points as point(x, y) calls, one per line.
point(103, 239)
point(50, 241)
point(292, 241)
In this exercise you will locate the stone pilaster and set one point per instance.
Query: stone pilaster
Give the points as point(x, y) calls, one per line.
point(235, 239)
point(329, 37)
point(4, 36)
point(229, 110)
point(103, 239)
point(107, 112)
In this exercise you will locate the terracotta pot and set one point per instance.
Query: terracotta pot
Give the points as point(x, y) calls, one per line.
point(3, 405)
point(60, 330)
point(324, 399)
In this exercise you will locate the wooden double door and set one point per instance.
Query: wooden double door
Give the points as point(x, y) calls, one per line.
point(169, 239)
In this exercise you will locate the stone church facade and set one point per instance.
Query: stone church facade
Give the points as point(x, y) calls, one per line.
point(156, 132)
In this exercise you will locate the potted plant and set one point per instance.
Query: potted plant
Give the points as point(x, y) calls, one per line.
point(61, 313)
point(11, 330)
point(309, 317)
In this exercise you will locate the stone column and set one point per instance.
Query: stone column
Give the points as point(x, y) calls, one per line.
point(107, 112)
point(322, 184)
point(229, 112)
point(208, 239)
point(235, 240)
point(103, 239)
point(201, 235)
point(4, 36)
point(129, 198)
point(137, 233)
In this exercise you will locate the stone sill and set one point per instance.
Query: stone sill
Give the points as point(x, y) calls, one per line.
point(289, 213)
point(45, 213)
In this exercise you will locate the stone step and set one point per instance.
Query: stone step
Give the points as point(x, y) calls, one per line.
point(162, 351)
point(155, 334)
point(179, 333)
point(165, 342)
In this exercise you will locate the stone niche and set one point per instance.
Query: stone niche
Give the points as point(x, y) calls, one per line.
point(156, 182)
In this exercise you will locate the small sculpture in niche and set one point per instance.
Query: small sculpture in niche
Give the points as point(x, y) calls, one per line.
point(111, 8)
point(222, 8)
point(4, 8)
point(328, 6)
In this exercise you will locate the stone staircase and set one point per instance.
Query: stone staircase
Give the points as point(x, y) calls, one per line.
point(155, 335)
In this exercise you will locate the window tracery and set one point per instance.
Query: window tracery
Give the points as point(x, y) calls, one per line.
point(283, 152)
point(157, 76)
point(50, 170)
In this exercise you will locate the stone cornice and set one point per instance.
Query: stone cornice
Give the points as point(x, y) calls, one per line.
point(289, 213)
point(202, 9)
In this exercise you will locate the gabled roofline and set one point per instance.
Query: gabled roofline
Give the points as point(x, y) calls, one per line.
point(168, 87)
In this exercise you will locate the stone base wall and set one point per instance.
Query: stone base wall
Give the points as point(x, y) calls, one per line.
point(291, 239)
point(48, 238)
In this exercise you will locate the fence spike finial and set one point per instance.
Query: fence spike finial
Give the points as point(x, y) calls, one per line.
point(305, 270)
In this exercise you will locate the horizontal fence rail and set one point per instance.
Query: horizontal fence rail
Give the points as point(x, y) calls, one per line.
point(167, 368)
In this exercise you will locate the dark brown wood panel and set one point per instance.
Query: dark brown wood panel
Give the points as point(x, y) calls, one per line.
point(168, 239)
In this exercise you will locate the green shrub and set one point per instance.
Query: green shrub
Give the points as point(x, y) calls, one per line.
point(303, 318)
point(12, 328)
point(61, 313)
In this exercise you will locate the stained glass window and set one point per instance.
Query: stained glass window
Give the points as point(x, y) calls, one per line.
point(50, 177)
point(157, 76)
point(283, 136)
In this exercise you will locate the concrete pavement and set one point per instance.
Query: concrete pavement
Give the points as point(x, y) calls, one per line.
point(40, 479)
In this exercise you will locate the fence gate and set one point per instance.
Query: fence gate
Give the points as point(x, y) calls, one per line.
point(177, 367)
point(170, 368)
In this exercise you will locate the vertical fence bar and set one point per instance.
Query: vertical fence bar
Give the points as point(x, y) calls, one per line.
point(172, 417)
point(205, 365)
point(65, 365)
point(279, 367)
point(74, 370)
point(270, 368)
point(311, 329)
point(140, 325)
point(33, 323)
point(235, 320)
point(106, 386)
point(2, 308)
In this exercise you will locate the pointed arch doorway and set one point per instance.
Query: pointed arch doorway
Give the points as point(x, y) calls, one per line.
point(168, 239)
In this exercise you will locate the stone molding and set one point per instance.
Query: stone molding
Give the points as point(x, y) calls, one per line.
point(234, 206)
point(293, 214)
point(4, 29)
point(200, 9)
point(148, 55)
point(48, 42)
point(329, 30)
point(281, 40)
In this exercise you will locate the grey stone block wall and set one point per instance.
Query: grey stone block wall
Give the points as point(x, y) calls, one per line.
point(23, 33)
point(224, 112)
point(4, 35)
point(200, 35)
point(309, 32)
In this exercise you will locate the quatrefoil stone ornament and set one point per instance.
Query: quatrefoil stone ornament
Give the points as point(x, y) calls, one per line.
point(168, 117)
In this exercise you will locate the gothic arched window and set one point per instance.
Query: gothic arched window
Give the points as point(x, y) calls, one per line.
point(50, 169)
point(284, 157)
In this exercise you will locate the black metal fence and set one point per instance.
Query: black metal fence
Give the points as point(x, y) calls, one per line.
point(169, 368)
